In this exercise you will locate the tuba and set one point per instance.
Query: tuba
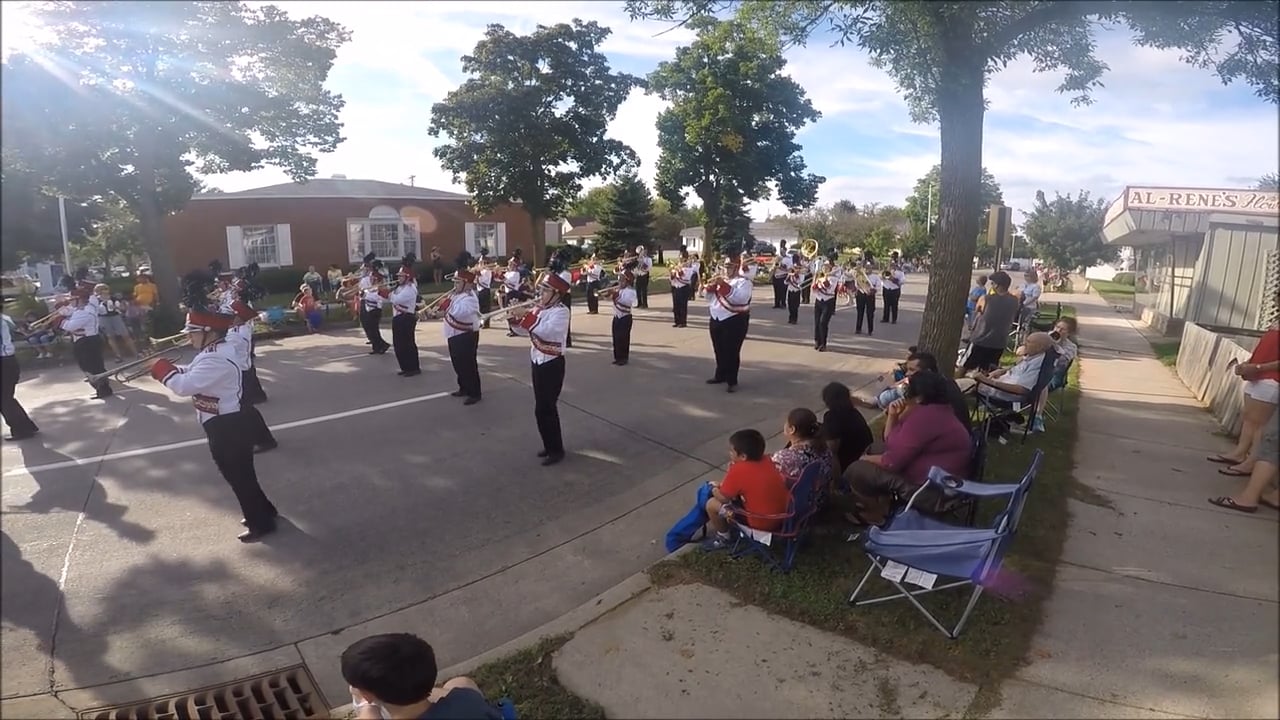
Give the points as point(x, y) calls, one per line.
point(809, 249)
point(860, 280)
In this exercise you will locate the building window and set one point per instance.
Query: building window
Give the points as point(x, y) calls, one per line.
point(486, 235)
point(260, 244)
point(389, 239)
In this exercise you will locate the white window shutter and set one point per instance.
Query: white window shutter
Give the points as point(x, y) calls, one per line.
point(469, 241)
point(501, 234)
point(235, 246)
point(284, 246)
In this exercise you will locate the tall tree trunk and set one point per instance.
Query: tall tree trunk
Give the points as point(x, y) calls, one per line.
point(538, 232)
point(960, 115)
point(149, 221)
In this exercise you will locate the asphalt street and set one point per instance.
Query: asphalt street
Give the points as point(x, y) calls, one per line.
point(401, 508)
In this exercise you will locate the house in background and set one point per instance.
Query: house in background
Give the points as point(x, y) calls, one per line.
point(582, 235)
point(764, 232)
point(337, 221)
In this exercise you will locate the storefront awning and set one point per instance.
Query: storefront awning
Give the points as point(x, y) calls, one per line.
point(1150, 215)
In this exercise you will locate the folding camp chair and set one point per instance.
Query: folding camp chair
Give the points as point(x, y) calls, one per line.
point(919, 550)
point(805, 495)
point(275, 318)
point(1052, 402)
point(1025, 407)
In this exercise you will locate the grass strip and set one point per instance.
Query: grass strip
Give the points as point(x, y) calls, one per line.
point(528, 678)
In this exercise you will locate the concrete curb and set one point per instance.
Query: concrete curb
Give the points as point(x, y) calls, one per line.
point(570, 622)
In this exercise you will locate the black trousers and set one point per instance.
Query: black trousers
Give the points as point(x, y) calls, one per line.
point(622, 337)
point(680, 305)
point(779, 293)
point(642, 291)
point(823, 311)
point(804, 293)
point(462, 353)
point(485, 296)
point(568, 302)
point(548, 380)
point(727, 337)
point(231, 445)
point(253, 391)
point(370, 322)
point(15, 416)
point(88, 354)
point(256, 425)
point(403, 330)
point(793, 306)
point(891, 298)
point(866, 308)
point(593, 299)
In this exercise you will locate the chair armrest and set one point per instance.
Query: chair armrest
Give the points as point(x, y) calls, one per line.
point(953, 483)
point(958, 537)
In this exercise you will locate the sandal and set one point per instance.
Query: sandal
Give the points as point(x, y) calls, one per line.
point(1223, 460)
point(1228, 503)
point(1232, 472)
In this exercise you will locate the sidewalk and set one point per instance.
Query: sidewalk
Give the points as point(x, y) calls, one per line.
point(1163, 606)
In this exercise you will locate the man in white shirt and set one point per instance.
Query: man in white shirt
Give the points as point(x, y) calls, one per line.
point(729, 301)
point(643, 266)
point(1010, 385)
point(373, 293)
point(82, 325)
point(238, 345)
point(462, 334)
point(15, 416)
point(594, 271)
point(681, 288)
point(212, 381)
point(624, 299)
point(547, 327)
point(1029, 294)
point(404, 318)
point(891, 282)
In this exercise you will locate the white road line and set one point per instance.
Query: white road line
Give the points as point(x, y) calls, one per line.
point(22, 469)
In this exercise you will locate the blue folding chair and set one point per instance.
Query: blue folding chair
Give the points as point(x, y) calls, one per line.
point(805, 495)
point(1057, 384)
point(918, 542)
point(275, 318)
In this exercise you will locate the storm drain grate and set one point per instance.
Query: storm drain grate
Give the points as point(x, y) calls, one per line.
point(289, 694)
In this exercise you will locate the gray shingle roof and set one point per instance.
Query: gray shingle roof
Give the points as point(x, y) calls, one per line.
point(338, 188)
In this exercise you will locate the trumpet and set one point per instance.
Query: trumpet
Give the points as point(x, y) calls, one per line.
point(170, 349)
point(429, 309)
point(507, 310)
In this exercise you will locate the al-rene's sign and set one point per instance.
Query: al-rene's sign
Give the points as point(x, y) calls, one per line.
point(1253, 202)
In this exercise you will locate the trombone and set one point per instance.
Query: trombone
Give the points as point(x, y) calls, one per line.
point(507, 310)
point(170, 349)
point(428, 310)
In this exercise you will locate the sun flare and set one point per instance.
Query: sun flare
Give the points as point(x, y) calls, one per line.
point(19, 29)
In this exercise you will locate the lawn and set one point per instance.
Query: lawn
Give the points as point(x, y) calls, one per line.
point(1114, 292)
point(529, 680)
point(1166, 351)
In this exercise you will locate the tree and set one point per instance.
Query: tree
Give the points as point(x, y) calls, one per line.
point(880, 242)
point(29, 219)
point(927, 195)
point(627, 220)
point(591, 203)
point(126, 98)
point(667, 224)
point(116, 236)
point(941, 55)
point(734, 226)
point(1067, 233)
point(1270, 181)
point(730, 131)
point(529, 125)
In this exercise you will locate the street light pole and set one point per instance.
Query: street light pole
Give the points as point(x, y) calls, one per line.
point(929, 219)
point(66, 243)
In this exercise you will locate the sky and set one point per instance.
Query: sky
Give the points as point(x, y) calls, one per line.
point(1156, 122)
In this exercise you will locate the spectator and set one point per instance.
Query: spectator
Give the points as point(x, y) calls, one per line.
point(145, 297)
point(804, 445)
point(39, 339)
point(976, 293)
point(955, 396)
point(1261, 377)
point(1029, 295)
point(893, 392)
point(308, 308)
point(134, 319)
point(334, 278)
point(437, 266)
point(752, 484)
point(920, 431)
point(1064, 333)
point(111, 322)
point(394, 675)
point(845, 430)
point(997, 312)
point(313, 280)
point(1010, 385)
point(1262, 476)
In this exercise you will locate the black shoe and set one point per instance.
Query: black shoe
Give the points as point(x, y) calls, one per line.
point(615, 362)
point(715, 381)
point(822, 348)
point(543, 453)
point(383, 351)
point(265, 447)
point(511, 334)
point(552, 459)
point(274, 515)
point(732, 388)
point(401, 373)
point(411, 373)
point(254, 535)
point(857, 332)
point(620, 363)
point(458, 393)
point(471, 401)
point(675, 324)
point(22, 436)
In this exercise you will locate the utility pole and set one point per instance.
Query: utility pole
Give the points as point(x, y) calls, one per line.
point(66, 244)
point(411, 179)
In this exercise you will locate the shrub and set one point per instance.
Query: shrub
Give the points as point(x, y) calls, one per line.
point(281, 280)
point(1124, 278)
point(572, 253)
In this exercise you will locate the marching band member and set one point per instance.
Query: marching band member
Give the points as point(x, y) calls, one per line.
point(484, 282)
point(892, 281)
point(681, 288)
point(795, 289)
point(82, 324)
point(242, 292)
point(865, 285)
point(15, 416)
point(729, 299)
point(372, 298)
point(643, 266)
point(512, 282)
point(404, 318)
point(824, 304)
point(781, 269)
point(363, 285)
point(462, 312)
point(593, 273)
point(547, 327)
point(624, 299)
point(239, 349)
point(213, 382)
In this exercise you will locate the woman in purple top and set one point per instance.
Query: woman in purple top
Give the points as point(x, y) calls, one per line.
point(920, 431)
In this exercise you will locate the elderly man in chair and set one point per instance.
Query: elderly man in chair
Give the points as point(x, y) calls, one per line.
point(1010, 385)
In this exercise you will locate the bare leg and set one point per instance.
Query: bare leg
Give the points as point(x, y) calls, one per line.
point(1250, 459)
point(1253, 415)
point(438, 694)
point(1264, 474)
point(717, 523)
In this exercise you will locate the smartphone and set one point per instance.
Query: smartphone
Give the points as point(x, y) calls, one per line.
point(1055, 335)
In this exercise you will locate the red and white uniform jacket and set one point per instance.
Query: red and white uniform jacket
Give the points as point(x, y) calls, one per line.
point(680, 277)
point(484, 279)
point(547, 329)
point(512, 280)
point(593, 272)
point(83, 322)
point(623, 301)
point(461, 313)
point(730, 298)
point(211, 380)
point(404, 299)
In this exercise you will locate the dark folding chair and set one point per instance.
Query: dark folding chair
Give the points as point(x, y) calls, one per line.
point(990, 411)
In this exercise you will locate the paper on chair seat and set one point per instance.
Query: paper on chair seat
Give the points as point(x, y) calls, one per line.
point(760, 536)
point(920, 578)
point(893, 571)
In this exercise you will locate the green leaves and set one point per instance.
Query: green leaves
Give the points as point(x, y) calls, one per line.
point(529, 124)
point(1066, 233)
point(927, 197)
point(627, 220)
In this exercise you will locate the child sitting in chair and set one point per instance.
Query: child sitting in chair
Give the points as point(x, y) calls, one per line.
point(308, 308)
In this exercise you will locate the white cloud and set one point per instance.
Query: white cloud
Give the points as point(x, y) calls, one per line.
point(1156, 120)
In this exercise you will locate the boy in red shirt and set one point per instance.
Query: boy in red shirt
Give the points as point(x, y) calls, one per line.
point(752, 484)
